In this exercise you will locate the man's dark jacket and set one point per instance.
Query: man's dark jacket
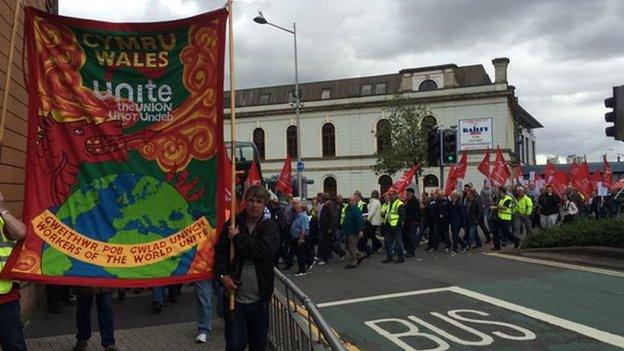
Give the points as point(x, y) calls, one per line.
point(259, 246)
point(328, 218)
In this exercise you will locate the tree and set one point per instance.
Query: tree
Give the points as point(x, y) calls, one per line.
point(401, 140)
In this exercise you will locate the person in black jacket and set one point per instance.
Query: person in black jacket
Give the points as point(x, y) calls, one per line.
point(249, 277)
point(328, 222)
point(411, 237)
point(457, 219)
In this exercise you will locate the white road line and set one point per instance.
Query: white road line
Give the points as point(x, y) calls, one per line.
point(608, 338)
point(557, 264)
point(381, 297)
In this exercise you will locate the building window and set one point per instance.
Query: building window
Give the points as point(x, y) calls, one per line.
point(326, 94)
point(380, 88)
point(329, 140)
point(264, 99)
point(367, 89)
point(431, 181)
point(330, 187)
point(258, 140)
point(291, 141)
point(533, 150)
point(383, 135)
point(226, 102)
point(385, 182)
point(427, 85)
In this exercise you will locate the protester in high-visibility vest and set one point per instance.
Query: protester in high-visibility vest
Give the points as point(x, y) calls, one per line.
point(342, 207)
point(522, 212)
point(11, 330)
point(503, 225)
point(384, 209)
point(395, 216)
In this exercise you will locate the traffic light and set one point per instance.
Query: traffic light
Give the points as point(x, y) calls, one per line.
point(617, 115)
point(449, 146)
point(433, 148)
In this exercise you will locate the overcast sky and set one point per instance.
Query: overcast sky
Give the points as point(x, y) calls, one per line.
point(565, 55)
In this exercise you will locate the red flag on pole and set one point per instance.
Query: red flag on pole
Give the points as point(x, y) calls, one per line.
point(463, 165)
point(408, 177)
point(549, 172)
point(500, 172)
point(607, 180)
point(451, 182)
point(484, 166)
point(253, 177)
point(582, 182)
point(560, 182)
point(284, 182)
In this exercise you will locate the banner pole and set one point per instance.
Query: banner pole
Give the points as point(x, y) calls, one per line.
point(7, 80)
point(231, 298)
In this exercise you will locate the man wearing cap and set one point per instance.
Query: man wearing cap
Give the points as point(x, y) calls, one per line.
point(11, 330)
point(395, 217)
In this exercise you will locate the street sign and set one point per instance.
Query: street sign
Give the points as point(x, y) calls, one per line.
point(300, 166)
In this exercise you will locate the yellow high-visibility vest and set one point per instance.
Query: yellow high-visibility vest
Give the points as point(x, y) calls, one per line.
point(343, 212)
point(6, 247)
point(384, 212)
point(393, 214)
point(504, 213)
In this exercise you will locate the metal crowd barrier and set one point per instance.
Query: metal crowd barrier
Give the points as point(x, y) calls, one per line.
point(296, 323)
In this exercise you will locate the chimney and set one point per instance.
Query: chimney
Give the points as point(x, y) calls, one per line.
point(500, 69)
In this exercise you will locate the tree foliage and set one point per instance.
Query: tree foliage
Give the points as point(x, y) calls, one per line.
point(402, 142)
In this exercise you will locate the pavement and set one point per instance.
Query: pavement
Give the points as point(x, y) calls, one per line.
point(472, 301)
point(136, 327)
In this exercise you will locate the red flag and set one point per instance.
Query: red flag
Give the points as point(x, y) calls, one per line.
point(582, 182)
point(484, 166)
point(607, 180)
point(463, 165)
point(253, 177)
point(451, 182)
point(284, 182)
point(408, 177)
point(559, 182)
point(501, 171)
point(573, 171)
point(549, 172)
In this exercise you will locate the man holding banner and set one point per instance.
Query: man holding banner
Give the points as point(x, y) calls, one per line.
point(249, 277)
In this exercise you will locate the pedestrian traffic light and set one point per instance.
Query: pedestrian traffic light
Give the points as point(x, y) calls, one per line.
point(449, 147)
point(433, 148)
point(616, 102)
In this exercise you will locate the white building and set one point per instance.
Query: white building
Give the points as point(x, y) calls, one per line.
point(339, 118)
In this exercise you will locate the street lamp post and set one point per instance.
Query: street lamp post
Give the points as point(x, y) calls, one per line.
point(261, 20)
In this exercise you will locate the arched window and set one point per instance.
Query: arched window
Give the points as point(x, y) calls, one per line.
point(385, 182)
point(330, 187)
point(329, 140)
point(291, 141)
point(431, 181)
point(258, 140)
point(383, 135)
point(427, 85)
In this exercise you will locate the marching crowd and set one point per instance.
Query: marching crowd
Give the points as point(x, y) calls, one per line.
point(315, 230)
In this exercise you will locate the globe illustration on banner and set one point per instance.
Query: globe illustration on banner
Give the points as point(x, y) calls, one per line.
point(125, 208)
